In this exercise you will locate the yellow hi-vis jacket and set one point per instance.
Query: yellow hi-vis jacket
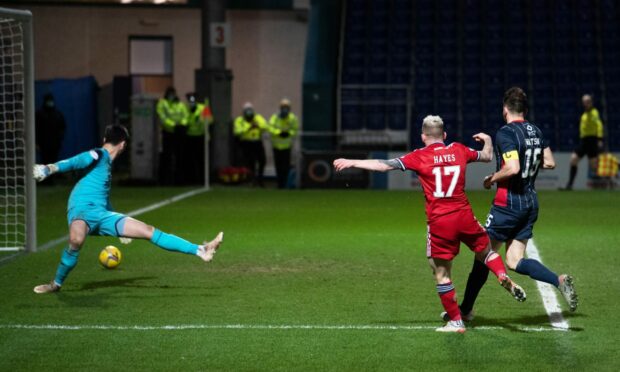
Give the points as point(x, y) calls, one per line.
point(590, 124)
point(250, 131)
point(199, 119)
point(277, 125)
point(171, 114)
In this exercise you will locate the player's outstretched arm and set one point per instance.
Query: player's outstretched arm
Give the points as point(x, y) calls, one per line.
point(486, 155)
point(80, 161)
point(548, 160)
point(368, 164)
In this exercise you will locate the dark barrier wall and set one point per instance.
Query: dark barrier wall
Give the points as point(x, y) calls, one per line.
point(77, 100)
point(317, 171)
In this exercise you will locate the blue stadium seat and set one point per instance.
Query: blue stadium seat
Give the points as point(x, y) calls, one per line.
point(352, 117)
point(376, 117)
point(397, 118)
point(557, 46)
point(374, 94)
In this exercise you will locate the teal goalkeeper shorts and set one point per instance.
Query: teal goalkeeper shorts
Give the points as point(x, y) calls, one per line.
point(100, 221)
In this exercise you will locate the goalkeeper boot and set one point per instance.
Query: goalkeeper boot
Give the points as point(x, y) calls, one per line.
point(47, 288)
point(455, 326)
point(515, 290)
point(466, 317)
point(567, 288)
point(207, 250)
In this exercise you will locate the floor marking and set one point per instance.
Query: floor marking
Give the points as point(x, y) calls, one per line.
point(137, 212)
point(10, 257)
point(548, 294)
point(182, 327)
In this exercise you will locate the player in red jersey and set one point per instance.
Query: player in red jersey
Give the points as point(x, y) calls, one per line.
point(451, 221)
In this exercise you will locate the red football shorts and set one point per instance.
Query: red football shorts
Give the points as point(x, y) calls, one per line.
point(446, 233)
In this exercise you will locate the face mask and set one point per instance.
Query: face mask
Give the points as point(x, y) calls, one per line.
point(191, 103)
point(284, 112)
point(248, 114)
point(49, 104)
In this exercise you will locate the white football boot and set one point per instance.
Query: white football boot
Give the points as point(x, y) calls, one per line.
point(515, 290)
point(454, 326)
point(567, 288)
point(207, 250)
point(47, 288)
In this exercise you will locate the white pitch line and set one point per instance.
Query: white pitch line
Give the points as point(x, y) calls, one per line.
point(183, 327)
point(548, 294)
point(137, 212)
point(10, 257)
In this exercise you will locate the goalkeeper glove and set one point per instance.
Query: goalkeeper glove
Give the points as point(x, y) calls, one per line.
point(41, 172)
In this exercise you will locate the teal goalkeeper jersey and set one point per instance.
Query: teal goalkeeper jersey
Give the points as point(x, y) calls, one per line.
point(93, 188)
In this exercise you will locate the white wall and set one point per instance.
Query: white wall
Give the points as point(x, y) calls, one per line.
point(267, 57)
point(77, 41)
point(266, 51)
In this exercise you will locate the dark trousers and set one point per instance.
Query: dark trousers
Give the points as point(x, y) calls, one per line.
point(254, 158)
point(181, 160)
point(195, 160)
point(167, 162)
point(282, 159)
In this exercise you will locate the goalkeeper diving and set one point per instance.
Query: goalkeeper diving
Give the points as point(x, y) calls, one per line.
point(89, 211)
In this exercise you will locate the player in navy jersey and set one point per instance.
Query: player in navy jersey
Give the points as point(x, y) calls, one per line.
point(89, 211)
point(521, 150)
point(441, 169)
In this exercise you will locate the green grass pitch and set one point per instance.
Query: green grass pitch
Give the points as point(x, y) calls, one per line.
point(305, 258)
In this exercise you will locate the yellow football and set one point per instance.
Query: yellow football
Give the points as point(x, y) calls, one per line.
point(110, 257)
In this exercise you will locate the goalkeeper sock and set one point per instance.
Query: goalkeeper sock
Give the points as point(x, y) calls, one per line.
point(68, 260)
point(447, 294)
point(171, 242)
point(537, 271)
point(477, 277)
point(495, 264)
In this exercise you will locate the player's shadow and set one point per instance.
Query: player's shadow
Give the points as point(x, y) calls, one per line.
point(124, 282)
point(517, 324)
point(134, 282)
point(84, 301)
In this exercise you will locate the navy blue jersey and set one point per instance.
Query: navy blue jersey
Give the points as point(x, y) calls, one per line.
point(522, 140)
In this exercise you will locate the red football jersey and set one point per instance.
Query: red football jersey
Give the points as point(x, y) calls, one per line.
point(441, 170)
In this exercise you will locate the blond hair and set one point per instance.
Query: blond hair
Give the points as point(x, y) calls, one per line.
point(432, 126)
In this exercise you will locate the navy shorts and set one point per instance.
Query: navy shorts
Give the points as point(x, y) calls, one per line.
point(505, 224)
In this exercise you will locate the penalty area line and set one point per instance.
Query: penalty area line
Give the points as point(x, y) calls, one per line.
point(183, 327)
point(548, 294)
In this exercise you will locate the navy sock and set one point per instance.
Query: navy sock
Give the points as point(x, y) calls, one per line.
point(477, 277)
point(537, 271)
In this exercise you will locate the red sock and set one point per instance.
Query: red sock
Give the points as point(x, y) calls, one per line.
point(496, 265)
point(447, 294)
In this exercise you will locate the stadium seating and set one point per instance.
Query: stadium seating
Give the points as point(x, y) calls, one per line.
point(459, 56)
